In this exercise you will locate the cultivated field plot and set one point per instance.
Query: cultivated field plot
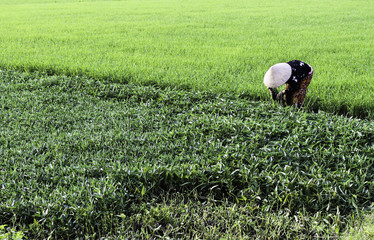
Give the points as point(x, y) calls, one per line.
point(87, 158)
point(220, 45)
point(145, 119)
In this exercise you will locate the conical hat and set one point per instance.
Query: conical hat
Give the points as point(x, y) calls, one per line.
point(277, 75)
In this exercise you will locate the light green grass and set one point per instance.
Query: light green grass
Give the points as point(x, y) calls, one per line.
point(363, 230)
point(219, 45)
point(10, 234)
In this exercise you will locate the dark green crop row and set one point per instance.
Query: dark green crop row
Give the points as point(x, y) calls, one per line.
point(84, 158)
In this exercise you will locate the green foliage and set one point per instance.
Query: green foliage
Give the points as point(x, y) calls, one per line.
point(88, 158)
point(10, 235)
point(364, 229)
point(198, 44)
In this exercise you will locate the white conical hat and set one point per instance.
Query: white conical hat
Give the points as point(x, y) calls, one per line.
point(277, 75)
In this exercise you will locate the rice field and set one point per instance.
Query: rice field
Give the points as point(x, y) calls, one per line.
point(218, 45)
point(149, 119)
point(87, 158)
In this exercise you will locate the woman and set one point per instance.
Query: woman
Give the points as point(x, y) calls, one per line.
point(296, 75)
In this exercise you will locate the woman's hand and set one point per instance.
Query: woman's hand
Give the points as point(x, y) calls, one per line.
point(273, 92)
point(281, 98)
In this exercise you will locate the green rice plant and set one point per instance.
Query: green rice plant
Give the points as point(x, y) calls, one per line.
point(10, 235)
point(203, 45)
point(364, 229)
point(83, 158)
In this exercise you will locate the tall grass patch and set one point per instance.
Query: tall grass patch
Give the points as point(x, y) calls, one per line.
point(198, 44)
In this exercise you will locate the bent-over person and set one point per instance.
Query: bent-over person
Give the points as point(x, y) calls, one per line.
point(296, 75)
